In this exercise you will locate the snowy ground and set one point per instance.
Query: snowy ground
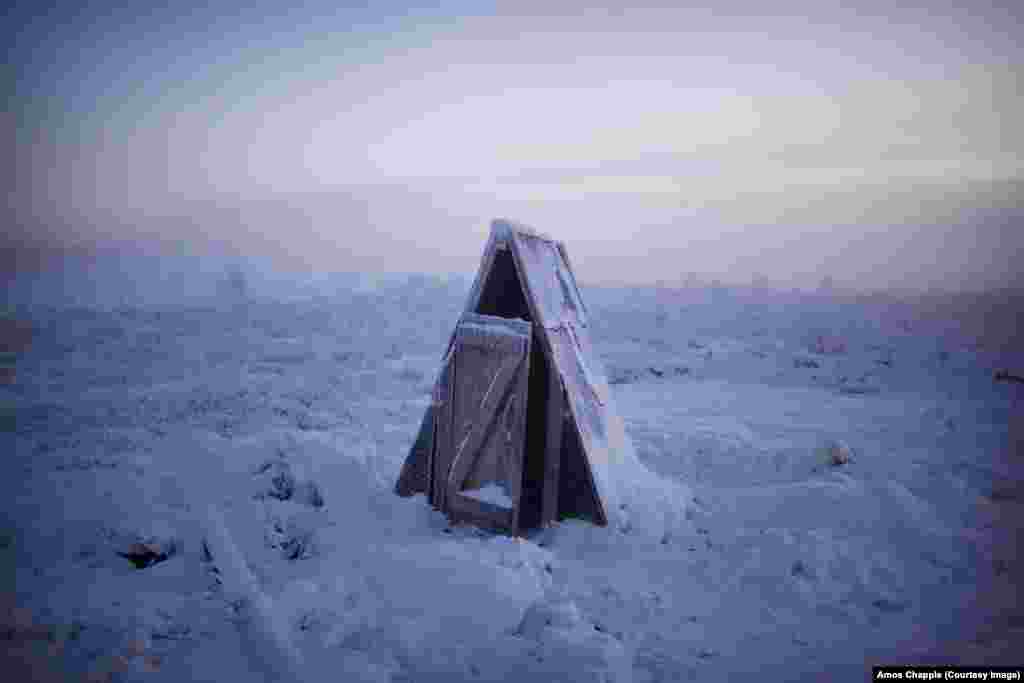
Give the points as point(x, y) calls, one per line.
point(286, 422)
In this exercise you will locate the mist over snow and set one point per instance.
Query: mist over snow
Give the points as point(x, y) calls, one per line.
point(111, 278)
point(199, 486)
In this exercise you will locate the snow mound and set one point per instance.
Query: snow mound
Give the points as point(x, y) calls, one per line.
point(571, 648)
point(648, 506)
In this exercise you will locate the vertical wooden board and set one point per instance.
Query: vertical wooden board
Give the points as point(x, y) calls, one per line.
point(443, 429)
point(480, 401)
point(552, 450)
point(517, 441)
point(491, 355)
point(472, 372)
point(466, 392)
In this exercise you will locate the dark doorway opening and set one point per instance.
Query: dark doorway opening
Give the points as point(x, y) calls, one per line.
point(502, 295)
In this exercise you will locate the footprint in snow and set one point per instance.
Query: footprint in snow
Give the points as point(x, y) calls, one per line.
point(802, 570)
point(292, 541)
point(281, 484)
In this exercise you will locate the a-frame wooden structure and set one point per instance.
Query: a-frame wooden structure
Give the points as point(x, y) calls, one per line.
point(521, 430)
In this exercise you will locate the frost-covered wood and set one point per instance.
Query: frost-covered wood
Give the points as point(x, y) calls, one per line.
point(503, 229)
point(483, 512)
point(540, 265)
point(442, 432)
point(479, 419)
point(490, 333)
point(602, 462)
point(491, 361)
point(553, 444)
point(561, 314)
point(568, 271)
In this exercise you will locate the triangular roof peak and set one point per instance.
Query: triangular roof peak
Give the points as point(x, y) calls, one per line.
point(503, 228)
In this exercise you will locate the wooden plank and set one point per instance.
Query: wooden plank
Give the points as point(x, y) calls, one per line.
point(499, 386)
point(564, 253)
point(561, 354)
point(517, 432)
point(555, 407)
point(588, 418)
point(496, 458)
point(482, 513)
point(552, 446)
point(500, 456)
point(506, 337)
point(467, 393)
point(537, 263)
point(444, 407)
point(488, 403)
point(515, 326)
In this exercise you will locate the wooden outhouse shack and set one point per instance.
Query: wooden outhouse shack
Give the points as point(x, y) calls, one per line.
point(521, 430)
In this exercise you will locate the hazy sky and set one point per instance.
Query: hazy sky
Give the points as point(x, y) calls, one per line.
point(876, 143)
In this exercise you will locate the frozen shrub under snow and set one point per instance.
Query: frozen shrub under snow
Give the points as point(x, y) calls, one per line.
point(836, 453)
point(825, 344)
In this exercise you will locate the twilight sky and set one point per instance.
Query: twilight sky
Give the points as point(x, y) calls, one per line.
point(876, 143)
